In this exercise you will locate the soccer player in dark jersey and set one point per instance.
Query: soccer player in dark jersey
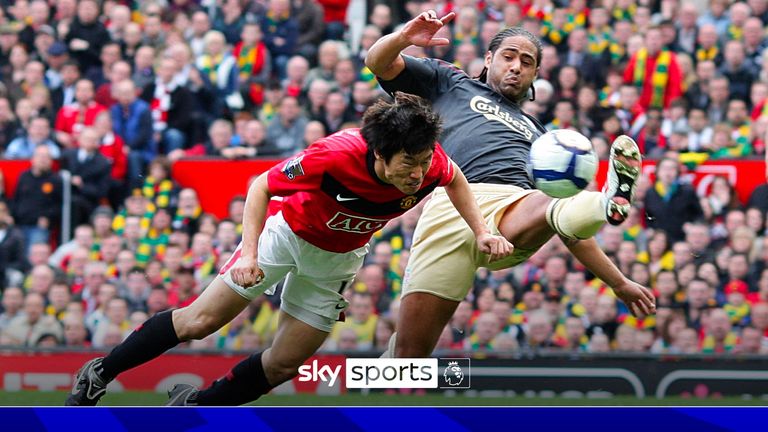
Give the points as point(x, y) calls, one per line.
point(337, 193)
point(489, 137)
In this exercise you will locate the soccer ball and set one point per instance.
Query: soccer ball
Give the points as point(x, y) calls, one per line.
point(562, 163)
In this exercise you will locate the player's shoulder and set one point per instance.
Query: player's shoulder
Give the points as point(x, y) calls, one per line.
point(436, 64)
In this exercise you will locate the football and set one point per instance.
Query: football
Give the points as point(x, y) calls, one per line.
point(563, 163)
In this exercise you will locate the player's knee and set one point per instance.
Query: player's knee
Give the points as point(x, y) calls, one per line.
point(280, 371)
point(196, 327)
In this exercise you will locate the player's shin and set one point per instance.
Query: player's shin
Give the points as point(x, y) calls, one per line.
point(244, 383)
point(578, 217)
point(148, 341)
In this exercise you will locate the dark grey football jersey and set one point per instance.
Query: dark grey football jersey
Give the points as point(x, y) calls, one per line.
point(487, 136)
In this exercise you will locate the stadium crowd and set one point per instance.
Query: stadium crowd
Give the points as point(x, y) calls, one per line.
point(116, 91)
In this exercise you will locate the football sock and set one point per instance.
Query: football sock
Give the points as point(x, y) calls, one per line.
point(244, 383)
point(148, 341)
point(578, 217)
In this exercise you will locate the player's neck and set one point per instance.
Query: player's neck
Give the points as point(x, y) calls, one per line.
point(378, 168)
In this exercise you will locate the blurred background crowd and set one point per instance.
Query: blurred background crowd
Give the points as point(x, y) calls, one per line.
point(116, 91)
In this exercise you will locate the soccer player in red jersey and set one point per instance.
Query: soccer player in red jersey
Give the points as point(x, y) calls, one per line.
point(337, 193)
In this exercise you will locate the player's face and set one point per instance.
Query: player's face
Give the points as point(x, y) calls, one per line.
point(512, 68)
point(406, 172)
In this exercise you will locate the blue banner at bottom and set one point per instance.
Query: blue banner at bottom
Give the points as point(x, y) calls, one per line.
point(349, 419)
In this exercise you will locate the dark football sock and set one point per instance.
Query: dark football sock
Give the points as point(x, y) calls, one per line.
point(148, 341)
point(246, 382)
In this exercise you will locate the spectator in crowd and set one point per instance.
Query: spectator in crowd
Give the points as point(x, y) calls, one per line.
point(71, 120)
point(12, 301)
point(90, 174)
point(310, 21)
point(26, 329)
point(87, 35)
point(671, 203)
point(281, 32)
point(286, 130)
point(132, 121)
point(12, 253)
point(38, 135)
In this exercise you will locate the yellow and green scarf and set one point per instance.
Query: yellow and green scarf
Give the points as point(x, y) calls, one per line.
point(708, 344)
point(710, 54)
point(209, 66)
point(160, 193)
point(660, 76)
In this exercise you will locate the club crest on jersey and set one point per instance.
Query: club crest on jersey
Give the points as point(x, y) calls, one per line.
point(408, 202)
point(355, 224)
point(293, 168)
point(491, 111)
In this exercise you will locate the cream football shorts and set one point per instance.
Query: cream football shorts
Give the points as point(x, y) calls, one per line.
point(444, 254)
point(314, 278)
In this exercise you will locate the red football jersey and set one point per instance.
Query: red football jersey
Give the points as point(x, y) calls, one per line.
point(333, 198)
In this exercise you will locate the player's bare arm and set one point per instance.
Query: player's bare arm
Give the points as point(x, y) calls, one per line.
point(638, 299)
point(384, 59)
point(461, 197)
point(246, 270)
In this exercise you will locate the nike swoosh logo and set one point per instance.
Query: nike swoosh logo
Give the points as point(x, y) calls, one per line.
point(341, 198)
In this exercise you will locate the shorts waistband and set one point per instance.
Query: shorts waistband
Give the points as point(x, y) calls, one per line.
point(488, 188)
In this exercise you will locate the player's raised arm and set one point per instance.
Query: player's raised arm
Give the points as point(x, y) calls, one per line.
point(461, 197)
point(246, 270)
point(384, 59)
point(638, 299)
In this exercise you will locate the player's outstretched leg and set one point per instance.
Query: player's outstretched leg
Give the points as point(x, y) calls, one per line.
point(215, 307)
point(422, 319)
point(294, 343)
point(623, 172)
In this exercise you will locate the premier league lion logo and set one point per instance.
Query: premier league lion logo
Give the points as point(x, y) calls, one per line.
point(453, 374)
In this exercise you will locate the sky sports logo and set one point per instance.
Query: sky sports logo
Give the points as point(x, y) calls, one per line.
point(379, 373)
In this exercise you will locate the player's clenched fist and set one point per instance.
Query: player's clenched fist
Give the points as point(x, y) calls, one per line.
point(495, 245)
point(246, 272)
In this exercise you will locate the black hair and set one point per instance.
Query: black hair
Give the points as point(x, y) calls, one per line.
point(407, 124)
point(511, 32)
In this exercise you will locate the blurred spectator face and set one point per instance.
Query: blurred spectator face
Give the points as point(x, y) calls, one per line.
point(666, 284)
point(682, 253)
point(120, 71)
point(539, 328)
point(372, 33)
point(124, 92)
point(153, 26)
point(145, 57)
point(719, 324)
point(107, 292)
point(347, 340)
point(502, 310)
point(33, 73)
point(697, 120)
point(739, 13)
point(87, 11)
point(574, 330)
point(362, 93)
point(734, 219)
point(588, 299)
point(577, 40)
point(172, 258)
point(88, 140)
point(34, 305)
point(39, 253)
point(318, 92)
point(753, 32)
point(251, 34)
point(759, 316)
point(13, 299)
point(335, 105)
point(221, 134)
point(465, 53)
point(280, 7)
point(564, 111)
point(742, 240)
point(568, 77)
point(549, 58)
point(328, 55)
point(738, 266)
point(754, 219)
point(574, 283)
point(132, 34)
point(74, 330)
point(487, 31)
point(201, 24)
point(19, 57)
point(705, 71)
point(382, 255)
point(698, 294)
point(486, 327)
point(69, 75)
point(697, 235)
point(737, 112)
point(555, 269)
point(137, 318)
point(751, 341)
point(119, 17)
point(718, 90)
point(113, 336)
point(84, 92)
point(110, 247)
point(687, 341)
point(314, 131)
point(667, 171)
point(462, 315)
point(627, 252)
point(605, 311)
point(59, 296)
point(708, 272)
point(202, 245)
point(157, 301)
point(41, 279)
point(344, 73)
point(226, 233)
point(297, 69)
point(254, 133)
point(625, 338)
point(486, 298)
point(125, 262)
point(188, 200)
point(39, 130)
point(137, 284)
point(599, 343)
point(361, 308)
point(611, 238)
point(289, 109)
point(381, 16)
point(110, 53)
